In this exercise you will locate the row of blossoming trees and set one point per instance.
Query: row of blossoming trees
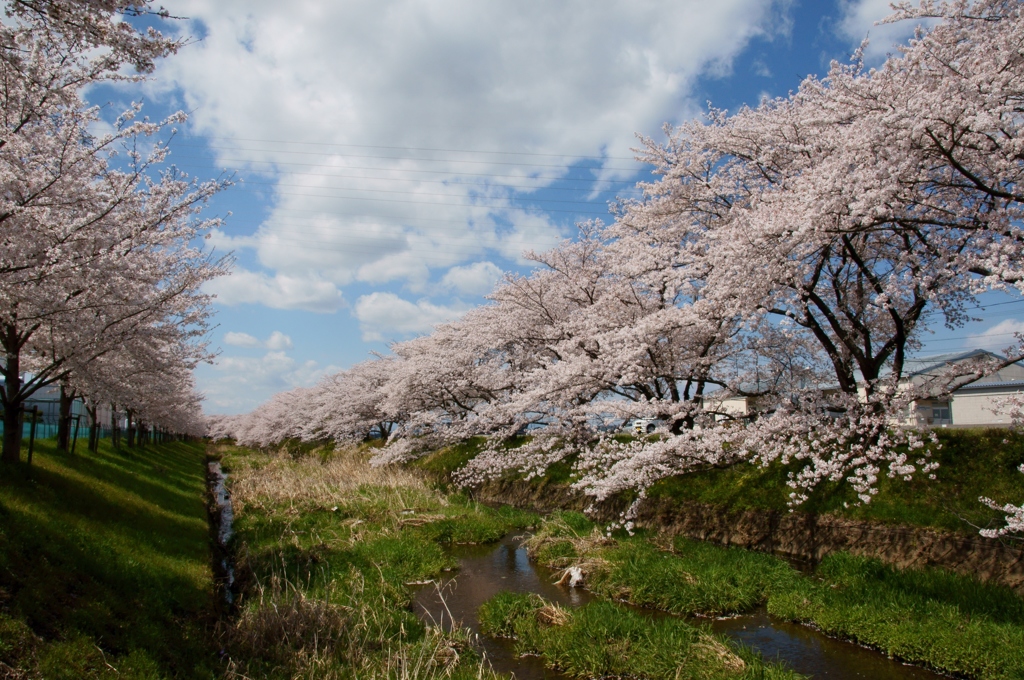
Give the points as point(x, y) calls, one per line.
point(792, 253)
point(99, 277)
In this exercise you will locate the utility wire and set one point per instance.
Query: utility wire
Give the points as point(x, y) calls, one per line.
point(445, 182)
point(441, 203)
point(448, 172)
point(209, 163)
point(413, 148)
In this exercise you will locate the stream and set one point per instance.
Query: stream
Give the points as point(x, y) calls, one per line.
point(484, 571)
point(221, 518)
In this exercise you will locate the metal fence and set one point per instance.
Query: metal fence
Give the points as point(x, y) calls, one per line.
point(46, 427)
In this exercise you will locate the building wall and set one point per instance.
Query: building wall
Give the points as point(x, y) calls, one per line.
point(978, 407)
point(734, 406)
point(932, 413)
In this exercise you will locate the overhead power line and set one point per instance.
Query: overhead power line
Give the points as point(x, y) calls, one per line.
point(207, 164)
point(465, 204)
point(443, 182)
point(414, 148)
point(447, 172)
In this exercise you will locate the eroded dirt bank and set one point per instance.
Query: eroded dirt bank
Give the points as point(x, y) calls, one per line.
point(795, 535)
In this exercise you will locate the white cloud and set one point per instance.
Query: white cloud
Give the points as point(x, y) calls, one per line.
point(238, 384)
point(241, 340)
point(474, 279)
point(377, 87)
point(218, 240)
point(759, 67)
point(278, 341)
point(998, 337)
point(859, 21)
point(385, 315)
point(282, 291)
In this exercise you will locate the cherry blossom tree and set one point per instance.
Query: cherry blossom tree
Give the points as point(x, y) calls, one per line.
point(794, 253)
point(602, 332)
point(97, 27)
point(347, 407)
point(847, 211)
point(92, 255)
point(97, 242)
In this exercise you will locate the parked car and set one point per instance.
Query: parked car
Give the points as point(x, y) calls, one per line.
point(643, 426)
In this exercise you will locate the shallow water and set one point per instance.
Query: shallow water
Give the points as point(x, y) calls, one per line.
point(807, 651)
point(225, 530)
point(484, 571)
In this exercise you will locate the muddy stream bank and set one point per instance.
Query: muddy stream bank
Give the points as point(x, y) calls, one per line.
point(484, 571)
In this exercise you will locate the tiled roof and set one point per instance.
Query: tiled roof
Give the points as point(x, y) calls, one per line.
point(922, 365)
point(985, 385)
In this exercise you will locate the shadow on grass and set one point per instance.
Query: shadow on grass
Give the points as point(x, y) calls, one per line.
point(110, 550)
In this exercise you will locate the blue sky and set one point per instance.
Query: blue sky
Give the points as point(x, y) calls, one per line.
point(393, 157)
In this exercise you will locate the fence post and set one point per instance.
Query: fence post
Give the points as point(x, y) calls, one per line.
point(32, 434)
point(74, 440)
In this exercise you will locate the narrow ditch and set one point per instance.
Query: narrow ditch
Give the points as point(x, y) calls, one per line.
point(221, 530)
point(484, 571)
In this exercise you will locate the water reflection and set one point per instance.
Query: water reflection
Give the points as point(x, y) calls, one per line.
point(807, 651)
point(484, 571)
point(224, 519)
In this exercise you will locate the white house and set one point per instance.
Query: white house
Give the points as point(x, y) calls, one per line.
point(974, 405)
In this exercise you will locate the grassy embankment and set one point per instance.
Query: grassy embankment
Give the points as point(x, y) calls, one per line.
point(932, 617)
point(105, 565)
point(973, 463)
point(328, 551)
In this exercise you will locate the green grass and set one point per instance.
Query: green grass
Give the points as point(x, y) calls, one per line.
point(973, 463)
point(440, 464)
point(932, 617)
point(678, 576)
point(328, 569)
point(698, 578)
point(604, 639)
point(950, 622)
point(105, 564)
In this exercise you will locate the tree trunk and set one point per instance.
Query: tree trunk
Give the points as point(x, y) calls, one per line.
point(12, 408)
point(67, 400)
point(94, 427)
point(115, 427)
point(12, 435)
point(131, 428)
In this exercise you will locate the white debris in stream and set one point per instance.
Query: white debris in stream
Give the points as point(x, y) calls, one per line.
point(572, 577)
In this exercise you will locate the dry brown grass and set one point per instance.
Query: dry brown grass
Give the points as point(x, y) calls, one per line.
point(308, 638)
point(295, 622)
point(587, 548)
point(299, 632)
point(717, 653)
point(552, 615)
point(11, 673)
point(275, 479)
